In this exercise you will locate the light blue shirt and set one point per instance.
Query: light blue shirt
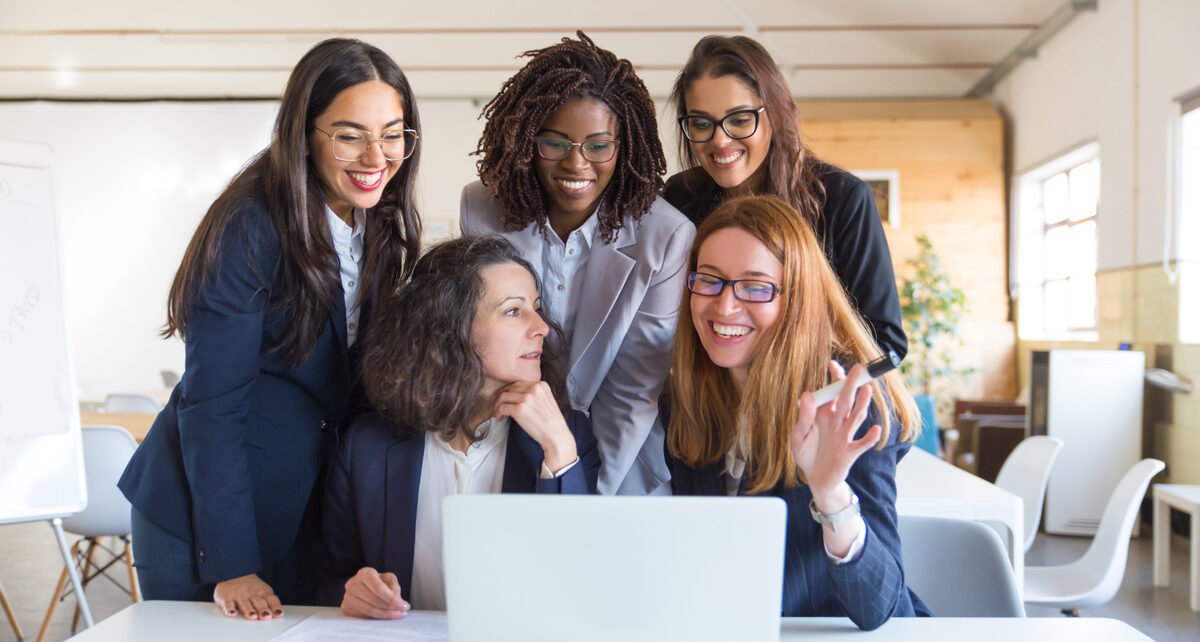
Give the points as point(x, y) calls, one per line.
point(563, 266)
point(348, 243)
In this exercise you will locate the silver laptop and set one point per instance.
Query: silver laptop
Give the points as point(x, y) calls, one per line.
point(581, 568)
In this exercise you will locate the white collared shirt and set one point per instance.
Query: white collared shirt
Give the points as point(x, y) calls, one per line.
point(444, 472)
point(562, 268)
point(348, 243)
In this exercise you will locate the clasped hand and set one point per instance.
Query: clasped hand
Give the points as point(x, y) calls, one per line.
point(532, 405)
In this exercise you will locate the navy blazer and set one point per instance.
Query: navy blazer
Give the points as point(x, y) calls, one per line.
point(370, 513)
point(232, 460)
point(868, 590)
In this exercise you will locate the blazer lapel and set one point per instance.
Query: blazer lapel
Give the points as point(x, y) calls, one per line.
point(522, 462)
point(401, 489)
point(607, 271)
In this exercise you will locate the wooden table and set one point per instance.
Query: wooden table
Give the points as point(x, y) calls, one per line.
point(200, 621)
point(927, 486)
point(1185, 498)
point(137, 423)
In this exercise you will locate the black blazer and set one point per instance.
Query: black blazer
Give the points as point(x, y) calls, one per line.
point(850, 232)
point(869, 590)
point(232, 460)
point(370, 514)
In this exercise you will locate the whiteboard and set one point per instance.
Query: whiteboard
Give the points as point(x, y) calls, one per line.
point(41, 454)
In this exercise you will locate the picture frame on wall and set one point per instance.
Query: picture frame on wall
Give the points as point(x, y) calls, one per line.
point(885, 183)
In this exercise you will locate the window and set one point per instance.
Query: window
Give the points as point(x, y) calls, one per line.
point(1189, 219)
point(1056, 246)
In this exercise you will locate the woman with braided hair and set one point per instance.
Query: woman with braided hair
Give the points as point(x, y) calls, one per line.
point(570, 170)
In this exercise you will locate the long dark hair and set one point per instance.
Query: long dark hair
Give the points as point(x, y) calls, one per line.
point(421, 368)
point(792, 171)
point(285, 179)
point(554, 75)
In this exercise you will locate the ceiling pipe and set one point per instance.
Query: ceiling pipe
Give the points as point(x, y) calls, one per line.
point(1028, 48)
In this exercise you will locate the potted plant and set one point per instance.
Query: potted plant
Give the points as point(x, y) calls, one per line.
point(930, 308)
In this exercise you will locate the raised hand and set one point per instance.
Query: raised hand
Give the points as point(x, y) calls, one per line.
point(249, 597)
point(823, 442)
point(531, 404)
point(375, 595)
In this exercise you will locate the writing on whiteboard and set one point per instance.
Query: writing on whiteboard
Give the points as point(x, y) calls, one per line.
point(18, 316)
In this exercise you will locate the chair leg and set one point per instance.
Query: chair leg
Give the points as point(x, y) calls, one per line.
point(84, 578)
point(58, 589)
point(133, 584)
point(1070, 612)
point(12, 617)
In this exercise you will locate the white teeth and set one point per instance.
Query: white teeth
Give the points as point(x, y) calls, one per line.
point(573, 184)
point(728, 158)
point(730, 330)
point(369, 180)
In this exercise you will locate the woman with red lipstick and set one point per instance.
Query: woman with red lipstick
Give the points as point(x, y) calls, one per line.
point(762, 322)
point(462, 368)
point(270, 301)
point(570, 171)
point(740, 134)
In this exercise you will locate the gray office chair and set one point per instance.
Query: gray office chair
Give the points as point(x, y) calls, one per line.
point(106, 452)
point(959, 568)
point(131, 402)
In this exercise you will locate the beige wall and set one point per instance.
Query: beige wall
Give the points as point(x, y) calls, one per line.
point(950, 156)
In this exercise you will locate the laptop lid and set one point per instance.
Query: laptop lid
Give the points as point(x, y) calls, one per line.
point(554, 568)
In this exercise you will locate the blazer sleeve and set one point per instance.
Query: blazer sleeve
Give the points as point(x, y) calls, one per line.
point(339, 527)
point(223, 347)
point(581, 479)
point(863, 262)
point(625, 407)
point(872, 589)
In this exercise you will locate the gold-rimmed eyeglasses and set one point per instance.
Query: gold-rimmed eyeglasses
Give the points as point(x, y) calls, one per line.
point(352, 144)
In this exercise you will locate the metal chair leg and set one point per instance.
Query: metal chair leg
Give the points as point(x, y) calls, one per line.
point(56, 597)
point(12, 617)
point(93, 544)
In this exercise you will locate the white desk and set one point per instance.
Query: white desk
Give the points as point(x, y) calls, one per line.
point(200, 622)
point(930, 487)
point(1187, 499)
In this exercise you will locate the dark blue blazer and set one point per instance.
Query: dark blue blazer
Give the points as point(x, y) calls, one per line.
point(868, 590)
point(370, 514)
point(232, 460)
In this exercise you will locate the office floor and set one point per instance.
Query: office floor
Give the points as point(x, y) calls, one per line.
point(29, 566)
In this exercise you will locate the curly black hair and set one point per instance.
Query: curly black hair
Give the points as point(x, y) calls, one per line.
point(554, 75)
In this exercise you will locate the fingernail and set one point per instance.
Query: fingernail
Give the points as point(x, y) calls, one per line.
point(278, 611)
point(231, 612)
point(264, 613)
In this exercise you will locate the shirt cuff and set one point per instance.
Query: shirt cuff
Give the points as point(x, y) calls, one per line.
point(549, 474)
point(856, 547)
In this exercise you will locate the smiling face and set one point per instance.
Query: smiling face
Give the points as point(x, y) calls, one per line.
point(730, 163)
point(370, 107)
point(731, 329)
point(574, 184)
point(508, 330)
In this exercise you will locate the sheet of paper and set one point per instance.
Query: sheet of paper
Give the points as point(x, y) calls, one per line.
point(415, 627)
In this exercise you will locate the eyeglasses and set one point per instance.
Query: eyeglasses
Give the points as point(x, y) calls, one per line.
point(737, 125)
point(749, 290)
point(594, 151)
point(352, 144)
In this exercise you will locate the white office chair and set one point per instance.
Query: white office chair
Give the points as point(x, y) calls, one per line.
point(106, 452)
point(1025, 474)
point(1094, 579)
point(130, 402)
point(959, 568)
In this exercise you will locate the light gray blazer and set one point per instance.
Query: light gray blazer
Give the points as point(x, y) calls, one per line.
point(621, 348)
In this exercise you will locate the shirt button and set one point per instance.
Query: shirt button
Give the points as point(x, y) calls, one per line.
point(571, 251)
point(352, 283)
point(561, 287)
point(353, 326)
point(326, 425)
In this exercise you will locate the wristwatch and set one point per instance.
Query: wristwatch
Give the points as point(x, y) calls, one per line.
point(851, 511)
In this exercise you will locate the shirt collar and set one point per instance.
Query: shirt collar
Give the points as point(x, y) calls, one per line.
point(494, 433)
point(336, 223)
point(586, 231)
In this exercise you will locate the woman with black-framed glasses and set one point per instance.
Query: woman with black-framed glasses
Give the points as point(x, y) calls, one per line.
point(740, 134)
point(764, 323)
point(270, 300)
point(570, 171)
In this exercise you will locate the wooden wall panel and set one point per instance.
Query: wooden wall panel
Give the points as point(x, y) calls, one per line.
point(950, 156)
